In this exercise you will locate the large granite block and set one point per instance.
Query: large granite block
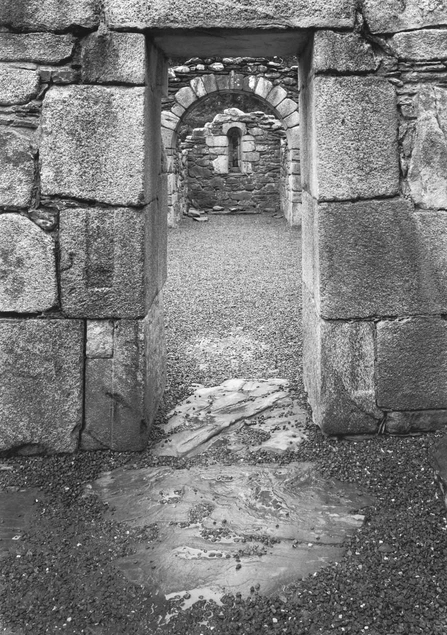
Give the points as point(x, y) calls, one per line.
point(16, 168)
point(412, 364)
point(380, 258)
point(18, 85)
point(342, 52)
point(123, 390)
point(351, 142)
point(93, 144)
point(27, 266)
point(102, 262)
point(429, 44)
point(41, 385)
point(49, 15)
point(394, 15)
point(338, 375)
point(209, 14)
point(46, 48)
point(427, 173)
point(114, 58)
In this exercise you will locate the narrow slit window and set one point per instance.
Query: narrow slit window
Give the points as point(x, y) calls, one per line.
point(234, 150)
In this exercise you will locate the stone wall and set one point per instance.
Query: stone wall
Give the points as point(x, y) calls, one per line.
point(375, 223)
point(211, 181)
point(82, 232)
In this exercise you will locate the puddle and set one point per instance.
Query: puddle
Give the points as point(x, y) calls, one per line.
point(248, 415)
point(228, 529)
point(16, 509)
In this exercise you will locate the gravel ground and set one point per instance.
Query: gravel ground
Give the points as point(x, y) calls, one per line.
point(232, 310)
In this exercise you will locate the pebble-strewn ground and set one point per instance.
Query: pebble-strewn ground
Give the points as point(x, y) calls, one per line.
point(233, 310)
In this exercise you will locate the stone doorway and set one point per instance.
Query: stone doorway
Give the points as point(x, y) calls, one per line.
point(85, 197)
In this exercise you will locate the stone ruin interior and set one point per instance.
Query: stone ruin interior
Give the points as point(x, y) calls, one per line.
point(120, 118)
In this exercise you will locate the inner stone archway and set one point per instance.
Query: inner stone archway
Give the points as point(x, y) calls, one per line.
point(275, 96)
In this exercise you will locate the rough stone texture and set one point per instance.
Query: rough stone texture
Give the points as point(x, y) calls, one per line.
point(430, 44)
point(99, 342)
point(344, 53)
point(123, 392)
point(427, 174)
point(387, 259)
point(46, 48)
point(27, 266)
point(155, 353)
point(339, 373)
point(393, 16)
point(49, 15)
point(16, 168)
point(114, 57)
point(412, 364)
point(114, 393)
point(17, 85)
point(187, 14)
point(88, 155)
point(360, 160)
point(41, 378)
point(102, 262)
point(438, 460)
point(415, 421)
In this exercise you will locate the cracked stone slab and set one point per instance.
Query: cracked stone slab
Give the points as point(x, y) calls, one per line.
point(223, 529)
point(248, 415)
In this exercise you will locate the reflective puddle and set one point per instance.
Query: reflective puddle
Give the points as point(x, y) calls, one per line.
point(230, 529)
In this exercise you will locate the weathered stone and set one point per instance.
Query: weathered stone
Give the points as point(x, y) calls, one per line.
point(123, 392)
point(339, 373)
point(387, 259)
point(169, 120)
point(41, 378)
point(212, 14)
point(16, 168)
point(286, 107)
point(46, 48)
point(99, 342)
point(427, 174)
point(49, 15)
point(114, 57)
point(263, 87)
point(209, 81)
point(186, 97)
point(27, 266)
point(114, 393)
point(198, 86)
point(88, 155)
point(276, 96)
point(410, 421)
point(430, 44)
point(343, 53)
point(361, 160)
point(102, 263)
point(394, 16)
point(155, 355)
point(412, 364)
point(17, 85)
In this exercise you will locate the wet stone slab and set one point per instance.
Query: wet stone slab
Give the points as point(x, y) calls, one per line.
point(248, 415)
point(227, 529)
point(16, 510)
